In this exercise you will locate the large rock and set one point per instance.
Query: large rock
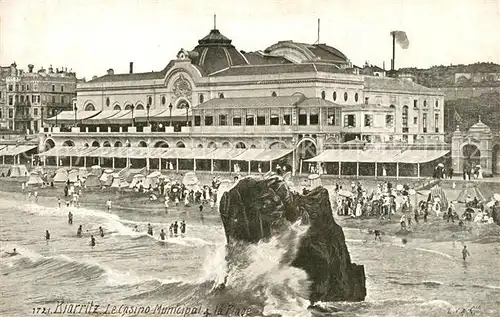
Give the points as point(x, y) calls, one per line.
point(258, 209)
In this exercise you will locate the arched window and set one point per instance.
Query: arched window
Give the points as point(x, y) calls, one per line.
point(323, 95)
point(150, 100)
point(89, 107)
point(139, 107)
point(221, 95)
point(334, 95)
point(201, 98)
point(107, 102)
point(128, 107)
point(163, 100)
point(425, 103)
point(404, 119)
point(345, 96)
point(117, 107)
point(356, 96)
point(273, 94)
point(437, 103)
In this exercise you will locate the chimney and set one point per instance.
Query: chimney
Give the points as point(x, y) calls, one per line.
point(30, 67)
point(111, 72)
point(131, 68)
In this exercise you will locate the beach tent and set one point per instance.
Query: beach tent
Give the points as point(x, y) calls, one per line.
point(61, 176)
point(34, 179)
point(118, 181)
point(83, 172)
point(471, 190)
point(152, 179)
point(136, 179)
point(17, 171)
point(92, 181)
point(96, 170)
point(437, 191)
point(73, 176)
point(106, 177)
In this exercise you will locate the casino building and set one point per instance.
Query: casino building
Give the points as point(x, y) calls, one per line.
point(292, 103)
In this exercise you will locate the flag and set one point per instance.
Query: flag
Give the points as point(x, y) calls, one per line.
point(401, 38)
point(457, 117)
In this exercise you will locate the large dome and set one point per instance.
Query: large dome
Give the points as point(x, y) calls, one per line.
point(215, 53)
point(479, 127)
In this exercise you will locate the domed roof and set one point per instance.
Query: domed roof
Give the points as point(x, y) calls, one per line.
point(479, 127)
point(215, 52)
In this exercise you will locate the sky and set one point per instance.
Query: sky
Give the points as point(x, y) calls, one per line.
point(91, 36)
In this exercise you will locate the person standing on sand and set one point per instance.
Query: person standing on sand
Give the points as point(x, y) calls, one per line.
point(108, 205)
point(36, 196)
point(70, 218)
point(47, 235)
point(59, 202)
point(465, 252)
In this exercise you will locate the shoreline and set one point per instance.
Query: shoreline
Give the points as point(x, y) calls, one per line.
point(128, 202)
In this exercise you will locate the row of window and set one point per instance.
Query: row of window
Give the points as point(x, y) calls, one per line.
point(350, 122)
point(27, 87)
point(34, 99)
point(11, 113)
point(269, 117)
point(415, 103)
point(346, 96)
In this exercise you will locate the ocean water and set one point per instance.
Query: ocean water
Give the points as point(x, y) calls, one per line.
point(138, 275)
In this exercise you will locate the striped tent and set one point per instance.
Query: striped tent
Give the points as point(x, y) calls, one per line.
point(437, 191)
point(120, 178)
point(471, 190)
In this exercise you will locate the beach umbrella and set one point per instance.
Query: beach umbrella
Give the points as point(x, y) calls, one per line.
point(441, 165)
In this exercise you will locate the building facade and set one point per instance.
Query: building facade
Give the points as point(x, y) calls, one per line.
point(291, 95)
point(31, 97)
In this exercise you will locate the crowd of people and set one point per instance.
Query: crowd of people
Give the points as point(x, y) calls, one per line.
point(383, 202)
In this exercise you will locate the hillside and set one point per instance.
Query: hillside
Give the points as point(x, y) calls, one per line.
point(444, 76)
point(487, 106)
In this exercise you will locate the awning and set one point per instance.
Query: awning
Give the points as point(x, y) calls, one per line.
point(421, 156)
point(378, 156)
point(104, 116)
point(225, 154)
point(69, 116)
point(122, 117)
point(270, 155)
point(15, 150)
point(249, 155)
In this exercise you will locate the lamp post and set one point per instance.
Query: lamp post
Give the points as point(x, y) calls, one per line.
point(132, 108)
point(127, 144)
point(75, 114)
point(147, 109)
point(170, 108)
point(187, 119)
